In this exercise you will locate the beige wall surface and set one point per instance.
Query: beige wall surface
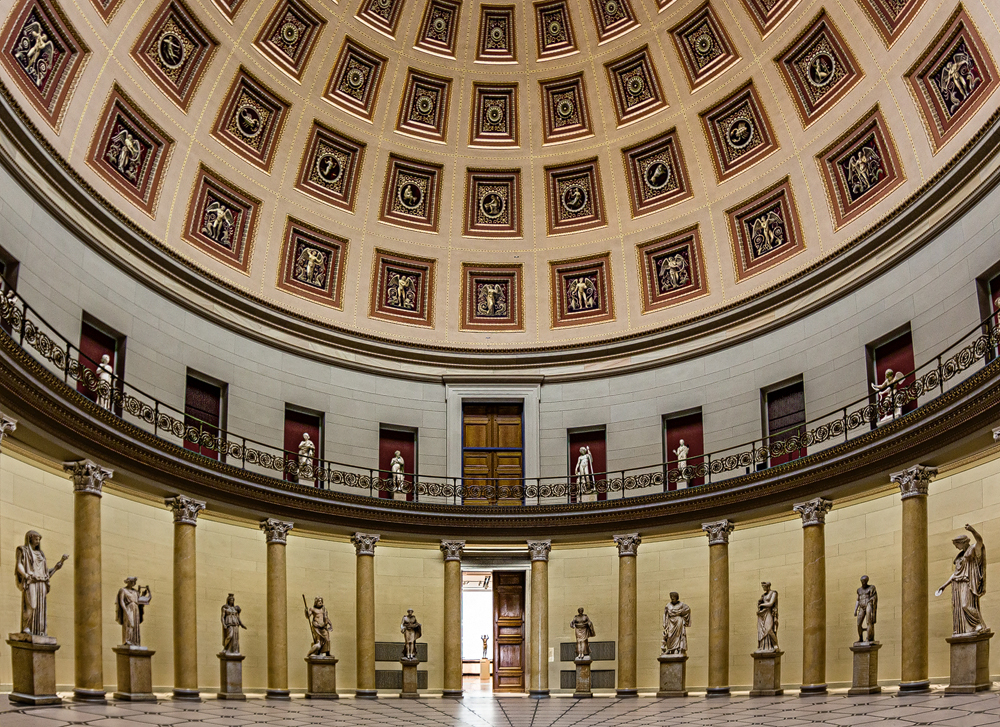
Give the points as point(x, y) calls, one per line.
point(861, 538)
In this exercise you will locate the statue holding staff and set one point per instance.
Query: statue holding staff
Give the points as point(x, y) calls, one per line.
point(320, 625)
point(32, 574)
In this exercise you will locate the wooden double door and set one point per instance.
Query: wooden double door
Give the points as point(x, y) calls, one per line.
point(508, 631)
point(493, 453)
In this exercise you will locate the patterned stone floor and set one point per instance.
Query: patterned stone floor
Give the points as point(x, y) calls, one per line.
point(484, 710)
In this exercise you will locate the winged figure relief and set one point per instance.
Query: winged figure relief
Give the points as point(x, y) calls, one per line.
point(581, 294)
point(124, 152)
point(35, 52)
point(766, 233)
point(673, 272)
point(957, 79)
point(864, 169)
point(401, 291)
point(491, 300)
point(310, 266)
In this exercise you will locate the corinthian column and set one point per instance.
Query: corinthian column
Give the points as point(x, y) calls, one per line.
point(718, 606)
point(538, 652)
point(364, 546)
point(452, 550)
point(913, 484)
point(628, 546)
point(813, 515)
point(88, 481)
point(276, 533)
point(185, 596)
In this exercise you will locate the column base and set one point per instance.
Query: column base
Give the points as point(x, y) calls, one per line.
point(717, 692)
point(583, 681)
point(34, 663)
point(865, 668)
point(453, 694)
point(322, 677)
point(135, 680)
point(283, 694)
point(626, 693)
point(231, 677)
point(538, 693)
point(812, 690)
point(187, 695)
point(921, 687)
point(90, 696)
point(970, 663)
point(766, 674)
point(673, 675)
point(366, 694)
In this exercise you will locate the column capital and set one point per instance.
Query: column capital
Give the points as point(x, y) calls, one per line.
point(276, 531)
point(813, 511)
point(364, 543)
point(452, 549)
point(88, 476)
point(627, 544)
point(539, 549)
point(7, 426)
point(718, 532)
point(185, 509)
point(914, 481)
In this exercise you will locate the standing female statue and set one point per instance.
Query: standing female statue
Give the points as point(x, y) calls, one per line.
point(968, 584)
point(767, 619)
point(676, 619)
point(231, 625)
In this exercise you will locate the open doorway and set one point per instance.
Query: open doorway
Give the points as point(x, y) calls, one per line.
point(477, 622)
point(493, 606)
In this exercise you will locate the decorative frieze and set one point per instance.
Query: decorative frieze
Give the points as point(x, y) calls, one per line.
point(88, 476)
point(452, 549)
point(364, 543)
point(276, 531)
point(185, 509)
point(914, 481)
point(628, 545)
point(718, 532)
point(539, 549)
point(813, 511)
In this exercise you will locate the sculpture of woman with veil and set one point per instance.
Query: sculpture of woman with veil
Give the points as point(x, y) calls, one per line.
point(968, 584)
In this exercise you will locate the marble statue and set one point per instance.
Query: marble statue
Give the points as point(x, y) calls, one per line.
point(105, 374)
point(32, 574)
point(866, 609)
point(307, 450)
point(129, 606)
point(767, 619)
point(231, 625)
point(676, 619)
point(585, 469)
point(968, 584)
point(584, 629)
point(410, 628)
point(486, 639)
point(682, 462)
point(321, 626)
point(396, 467)
point(885, 393)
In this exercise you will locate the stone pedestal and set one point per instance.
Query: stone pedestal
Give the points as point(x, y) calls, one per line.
point(766, 674)
point(135, 678)
point(322, 677)
point(34, 662)
point(865, 668)
point(970, 663)
point(231, 677)
point(484, 670)
point(409, 679)
point(582, 678)
point(673, 675)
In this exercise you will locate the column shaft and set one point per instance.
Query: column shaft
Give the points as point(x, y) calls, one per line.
point(452, 628)
point(914, 672)
point(538, 667)
point(366, 626)
point(277, 622)
point(185, 613)
point(718, 619)
point(88, 630)
point(814, 609)
point(628, 549)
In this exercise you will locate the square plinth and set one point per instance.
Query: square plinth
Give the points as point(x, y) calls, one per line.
point(409, 679)
point(673, 675)
point(322, 677)
point(970, 663)
point(766, 674)
point(34, 662)
point(865, 668)
point(135, 676)
point(583, 680)
point(231, 677)
point(484, 670)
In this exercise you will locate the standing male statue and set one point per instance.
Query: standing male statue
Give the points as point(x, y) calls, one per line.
point(676, 619)
point(106, 375)
point(584, 630)
point(231, 625)
point(682, 462)
point(307, 451)
point(866, 609)
point(129, 606)
point(321, 626)
point(410, 628)
point(968, 584)
point(585, 470)
point(32, 575)
point(486, 639)
point(767, 619)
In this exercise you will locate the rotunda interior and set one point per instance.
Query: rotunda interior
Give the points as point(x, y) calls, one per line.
point(529, 348)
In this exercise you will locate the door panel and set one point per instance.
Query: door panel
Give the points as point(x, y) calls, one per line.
point(492, 453)
point(508, 631)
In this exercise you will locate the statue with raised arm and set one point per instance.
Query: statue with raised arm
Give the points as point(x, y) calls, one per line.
point(676, 619)
point(321, 627)
point(231, 625)
point(866, 609)
point(584, 630)
point(968, 584)
point(682, 462)
point(767, 619)
point(885, 393)
point(585, 470)
point(410, 628)
point(32, 574)
point(486, 639)
point(129, 606)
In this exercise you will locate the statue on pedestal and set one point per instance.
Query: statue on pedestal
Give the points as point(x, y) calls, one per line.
point(866, 609)
point(396, 466)
point(968, 584)
point(767, 619)
point(682, 462)
point(106, 375)
point(410, 628)
point(585, 470)
point(129, 606)
point(321, 627)
point(584, 630)
point(32, 574)
point(486, 639)
point(231, 625)
point(676, 619)
point(885, 393)
point(307, 451)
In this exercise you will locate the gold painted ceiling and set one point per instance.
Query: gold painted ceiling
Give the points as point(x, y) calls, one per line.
point(490, 175)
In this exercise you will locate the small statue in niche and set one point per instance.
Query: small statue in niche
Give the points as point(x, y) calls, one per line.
point(410, 628)
point(231, 625)
point(485, 638)
point(129, 608)
point(583, 627)
point(682, 462)
point(321, 627)
point(396, 467)
point(32, 574)
point(968, 584)
point(885, 393)
point(767, 619)
point(866, 609)
point(585, 470)
point(105, 375)
point(676, 619)
point(307, 451)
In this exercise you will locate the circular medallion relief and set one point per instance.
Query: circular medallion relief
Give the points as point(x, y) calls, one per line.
point(329, 168)
point(574, 198)
point(611, 7)
point(555, 28)
point(248, 121)
point(494, 114)
point(497, 34)
point(703, 44)
point(635, 85)
point(170, 50)
point(424, 105)
point(355, 78)
point(492, 206)
point(657, 175)
point(384, 4)
point(410, 196)
point(439, 24)
point(290, 33)
point(740, 133)
point(822, 69)
point(565, 108)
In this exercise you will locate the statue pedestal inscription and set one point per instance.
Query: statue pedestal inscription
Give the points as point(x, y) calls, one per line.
point(766, 674)
point(322, 677)
point(582, 677)
point(484, 670)
point(409, 678)
point(970, 663)
point(673, 675)
point(34, 661)
point(135, 678)
point(231, 676)
point(865, 668)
